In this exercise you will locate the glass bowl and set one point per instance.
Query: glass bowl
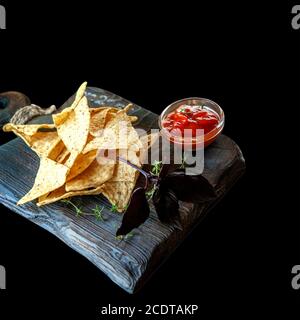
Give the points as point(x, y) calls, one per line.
point(198, 141)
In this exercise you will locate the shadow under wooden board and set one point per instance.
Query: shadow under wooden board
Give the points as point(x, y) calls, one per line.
point(129, 263)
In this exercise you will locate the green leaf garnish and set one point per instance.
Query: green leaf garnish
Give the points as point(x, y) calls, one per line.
point(98, 213)
point(150, 193)
point(114, 208)
point(156, 167)
point(126, 237)
point(129, 235)
point(78, 210)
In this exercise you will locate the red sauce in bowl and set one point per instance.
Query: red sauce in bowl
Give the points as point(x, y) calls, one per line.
point(190, 117)
point(192, 122)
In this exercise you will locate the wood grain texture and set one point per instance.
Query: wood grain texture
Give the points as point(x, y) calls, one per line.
point(129, 263)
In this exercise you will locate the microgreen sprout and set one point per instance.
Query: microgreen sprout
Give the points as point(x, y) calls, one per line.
point(114, 208)
point(150, 192)
point(156, 167)
point(78, 210)
point(129, 235)
point(126, 237)
point(98, 213)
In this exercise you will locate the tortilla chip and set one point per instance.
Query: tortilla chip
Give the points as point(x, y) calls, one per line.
point(61, 193)
point(56, 150)
point(133, 118)
point(118, 193)
point(26, 132)
point(62, 157)
point(73, 129)
point(119, 135)
point(47, 144)
point(51, 175)
point(111, 112)
point(61, 117)
point(123, 171)
point(98, 120)
point(82, 162)
point(94, 176)
point(26, 129)
point(127, 108)
point(99, 109)
point(119, 188)
point(69, 164)
point(44, 143)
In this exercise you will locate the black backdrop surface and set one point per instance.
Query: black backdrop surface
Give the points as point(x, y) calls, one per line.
point(239, 259)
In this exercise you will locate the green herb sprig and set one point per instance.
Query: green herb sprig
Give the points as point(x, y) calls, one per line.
point(114, 208)
point(97, 211)
point(78, 210)
point(150, 192)
point(126, 237)
point(156, 167)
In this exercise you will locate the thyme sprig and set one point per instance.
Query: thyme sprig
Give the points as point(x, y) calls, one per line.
point(97, 211)
point(156, 167)
point(150, 192)
point(114, 208)
point(78, 210)
point(126, 237)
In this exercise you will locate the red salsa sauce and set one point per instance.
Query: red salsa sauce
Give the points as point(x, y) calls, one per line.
point(190, 117)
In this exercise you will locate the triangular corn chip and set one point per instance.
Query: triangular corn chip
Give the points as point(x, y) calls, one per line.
point(69, 165)
point(98, 120)
point(51, 175)
point(123, 171)
point(117, 134)
point(61, 117)
point(44, 143)
point(118, 193)
point(27, 129)
point(119, 188)
point(82, 162)
point(74, 128)
point(61, 193)
point(62, 157)
point(99, 172)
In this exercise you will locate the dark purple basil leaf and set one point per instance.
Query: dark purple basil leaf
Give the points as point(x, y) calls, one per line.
point(137, 212)
point(165, 203)
point(190, 188)
point(164, 171)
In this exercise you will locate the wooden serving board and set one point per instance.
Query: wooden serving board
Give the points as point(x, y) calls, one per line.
point(129, 263)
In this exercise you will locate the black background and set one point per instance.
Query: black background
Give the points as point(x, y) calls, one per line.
point(246, 58)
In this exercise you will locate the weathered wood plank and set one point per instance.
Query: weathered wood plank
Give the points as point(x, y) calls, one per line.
point(129, 263)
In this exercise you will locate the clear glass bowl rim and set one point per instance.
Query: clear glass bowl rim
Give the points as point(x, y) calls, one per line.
point(208, 135)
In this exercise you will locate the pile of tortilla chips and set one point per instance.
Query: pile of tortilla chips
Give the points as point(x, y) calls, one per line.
point(73, 153)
